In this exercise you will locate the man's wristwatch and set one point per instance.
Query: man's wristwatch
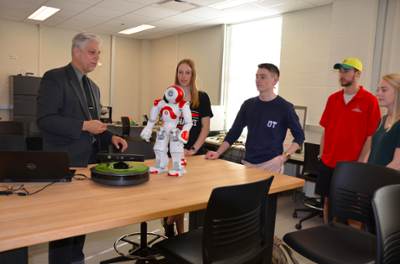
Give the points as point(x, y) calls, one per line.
point(287, 155)
point(195, 150)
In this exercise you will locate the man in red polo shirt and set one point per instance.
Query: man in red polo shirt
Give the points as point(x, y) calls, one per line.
point(350, 118)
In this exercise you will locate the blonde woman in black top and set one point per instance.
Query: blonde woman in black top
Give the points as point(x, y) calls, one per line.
point(200, 106)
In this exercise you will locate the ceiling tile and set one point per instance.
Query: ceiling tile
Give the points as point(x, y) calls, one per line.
point(207, 23)
point(28, 7)
point(268, 3)
point(111, 16)
point(13, 14)
point(120, 24)
point(145, 2)
point(293, 6)
point(78, 23)
point(89, 2)
point(105, 12)
point(100, 31)
point(206, 12)
point(64, 14)
point(77, 28)
point(189, 28)
point(19, 14)
point(120, 5)
point(67, 5)
point(51, 21)
point(38, 2)
point(184, 18)
point(134, 18)
point(240, 9)
point(155, 12)
point(246, 16)
point(104, 28)
point(91, 18)
point(319, 2)
point(166, 24)
point(204, 2)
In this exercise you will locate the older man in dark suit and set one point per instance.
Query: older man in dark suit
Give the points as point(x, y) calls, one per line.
point(68, 112)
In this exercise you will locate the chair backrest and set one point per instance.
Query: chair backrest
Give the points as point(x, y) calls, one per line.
point(11, 128)
point(126, 126)
point(353, 186)
point(310, 166)
point(137, 146)
point(235, 222)
point(12, 142)
point(386, 207)
point(33, 130)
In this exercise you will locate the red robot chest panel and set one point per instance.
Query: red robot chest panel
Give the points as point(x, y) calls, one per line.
point(168, 112)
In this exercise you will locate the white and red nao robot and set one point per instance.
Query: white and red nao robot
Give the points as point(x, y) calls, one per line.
point(168, 133)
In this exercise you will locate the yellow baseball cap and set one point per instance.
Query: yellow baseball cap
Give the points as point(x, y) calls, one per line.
point(349, 63)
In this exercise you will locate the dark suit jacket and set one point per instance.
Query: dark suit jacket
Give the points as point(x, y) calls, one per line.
point(61, 110)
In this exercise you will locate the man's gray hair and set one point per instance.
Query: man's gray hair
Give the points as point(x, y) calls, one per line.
point(81, 39)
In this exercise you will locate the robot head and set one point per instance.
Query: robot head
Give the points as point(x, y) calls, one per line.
point(174, 94)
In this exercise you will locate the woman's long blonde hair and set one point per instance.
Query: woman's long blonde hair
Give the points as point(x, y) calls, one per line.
point(194, 91)
point(394, 80)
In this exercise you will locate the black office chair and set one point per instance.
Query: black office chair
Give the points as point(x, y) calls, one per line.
point(141, 252)
point(12, 142)
point(233, 230)
point(309, 173)
point(12, 128)
point(34, 140)
point(353, 185)
point(126, 126)
point(387, 218)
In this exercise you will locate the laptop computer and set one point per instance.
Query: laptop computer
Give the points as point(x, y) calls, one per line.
point(34, 166)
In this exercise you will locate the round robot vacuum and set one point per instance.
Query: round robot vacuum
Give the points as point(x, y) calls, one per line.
point(120, 173)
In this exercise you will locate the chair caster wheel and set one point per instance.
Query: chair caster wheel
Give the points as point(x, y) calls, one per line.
point(298, 226)
point(294, 215)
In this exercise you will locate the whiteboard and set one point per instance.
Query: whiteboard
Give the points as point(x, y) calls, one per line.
point(301, 112)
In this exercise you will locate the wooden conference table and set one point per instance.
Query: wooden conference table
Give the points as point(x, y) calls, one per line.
point(80, 207)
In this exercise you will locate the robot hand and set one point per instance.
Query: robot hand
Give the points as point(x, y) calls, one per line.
point(174, 134)
point(183, 136)
point(146, 133)
point(178, 135)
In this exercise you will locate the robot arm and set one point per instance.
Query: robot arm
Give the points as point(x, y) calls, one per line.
point(187, 117)
point(148, 130)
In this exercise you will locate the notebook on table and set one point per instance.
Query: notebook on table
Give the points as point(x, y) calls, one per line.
point(34, 166)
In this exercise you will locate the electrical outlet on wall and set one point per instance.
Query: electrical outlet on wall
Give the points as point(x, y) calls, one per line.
point(13, 56)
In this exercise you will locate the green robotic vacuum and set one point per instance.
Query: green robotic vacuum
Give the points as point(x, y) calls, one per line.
point(118, 170)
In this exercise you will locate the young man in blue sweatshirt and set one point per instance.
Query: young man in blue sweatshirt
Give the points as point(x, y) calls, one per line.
point(267, 117)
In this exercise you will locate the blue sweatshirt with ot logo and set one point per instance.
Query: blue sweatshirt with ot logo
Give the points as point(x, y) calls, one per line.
point(267, 124)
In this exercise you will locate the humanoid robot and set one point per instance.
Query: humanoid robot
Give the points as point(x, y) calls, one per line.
point(170, 112)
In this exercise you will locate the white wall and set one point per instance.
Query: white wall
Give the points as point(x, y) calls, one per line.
point(204, 47)
point(391, 52)
point(313, 40)
point(142, 69)
point(126, 86)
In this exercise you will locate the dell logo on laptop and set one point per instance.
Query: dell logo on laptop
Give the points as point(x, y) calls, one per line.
point(31, 166)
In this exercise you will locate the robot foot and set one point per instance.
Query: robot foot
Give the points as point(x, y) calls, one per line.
point(176, 174)
point(155, 170)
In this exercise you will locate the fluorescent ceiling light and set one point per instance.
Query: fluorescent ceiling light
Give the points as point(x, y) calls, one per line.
point(136, 29)
point(43, 13)
point(231, 3)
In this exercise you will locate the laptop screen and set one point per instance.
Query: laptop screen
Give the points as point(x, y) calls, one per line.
point(34, 166)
